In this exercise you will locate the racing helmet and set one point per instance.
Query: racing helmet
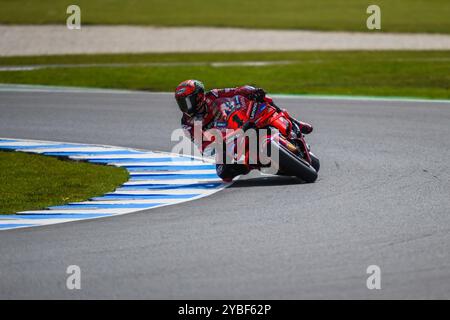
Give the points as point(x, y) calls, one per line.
point(190, 96)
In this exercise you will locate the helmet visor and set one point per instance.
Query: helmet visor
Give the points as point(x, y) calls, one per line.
point(188, 104)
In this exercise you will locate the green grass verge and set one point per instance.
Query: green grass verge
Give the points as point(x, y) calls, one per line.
point(397, 15)
point(31, 181)
point(386, 73)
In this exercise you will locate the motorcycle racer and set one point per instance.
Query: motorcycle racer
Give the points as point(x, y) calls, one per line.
point(211, 108)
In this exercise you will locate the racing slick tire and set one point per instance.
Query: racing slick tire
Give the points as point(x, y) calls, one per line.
point(290, 164)
point(315, 161)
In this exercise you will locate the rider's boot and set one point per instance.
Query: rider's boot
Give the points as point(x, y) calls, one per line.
point(300, 127)
point(305, 128)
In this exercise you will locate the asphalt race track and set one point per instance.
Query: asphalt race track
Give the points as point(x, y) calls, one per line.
point(382, 198)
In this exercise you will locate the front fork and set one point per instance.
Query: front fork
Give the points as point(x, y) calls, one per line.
point(301, 143)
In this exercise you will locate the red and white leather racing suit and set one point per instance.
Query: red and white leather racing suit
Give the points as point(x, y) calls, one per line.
point(218, 104)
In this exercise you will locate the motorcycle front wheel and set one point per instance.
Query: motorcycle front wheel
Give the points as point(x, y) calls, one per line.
point(290, 164)
point(315, 161)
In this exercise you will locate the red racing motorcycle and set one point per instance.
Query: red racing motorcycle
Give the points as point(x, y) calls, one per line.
point(283, 138)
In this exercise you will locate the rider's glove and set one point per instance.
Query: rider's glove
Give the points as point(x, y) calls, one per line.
point(258, 95)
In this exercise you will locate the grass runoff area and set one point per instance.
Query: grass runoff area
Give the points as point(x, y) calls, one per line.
point(350, 15)
point(31, 181)
point(384, 73)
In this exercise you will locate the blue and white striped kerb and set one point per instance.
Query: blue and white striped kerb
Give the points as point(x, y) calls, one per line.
point(156, 179)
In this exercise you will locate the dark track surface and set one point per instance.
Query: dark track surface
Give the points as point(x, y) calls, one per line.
point(382, 197)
